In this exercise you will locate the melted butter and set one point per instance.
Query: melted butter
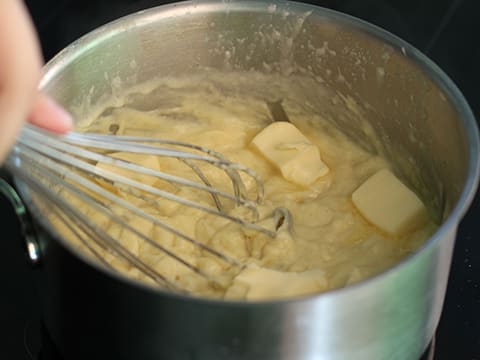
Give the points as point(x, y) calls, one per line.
point(330, 238)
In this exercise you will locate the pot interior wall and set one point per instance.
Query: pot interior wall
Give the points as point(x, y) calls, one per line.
point(410, 119)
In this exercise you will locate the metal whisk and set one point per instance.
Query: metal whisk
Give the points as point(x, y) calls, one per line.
point(54, 165)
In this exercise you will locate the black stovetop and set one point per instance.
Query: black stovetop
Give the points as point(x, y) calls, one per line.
point(440, 28)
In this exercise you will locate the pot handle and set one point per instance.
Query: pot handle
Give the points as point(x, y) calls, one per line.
point(26, 229)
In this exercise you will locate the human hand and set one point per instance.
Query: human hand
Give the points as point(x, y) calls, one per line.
point(20, 71)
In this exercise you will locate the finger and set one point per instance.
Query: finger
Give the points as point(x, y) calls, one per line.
point(47, 114)
point(20, 66)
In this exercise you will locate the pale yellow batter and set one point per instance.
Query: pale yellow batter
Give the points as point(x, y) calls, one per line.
point(331, 245)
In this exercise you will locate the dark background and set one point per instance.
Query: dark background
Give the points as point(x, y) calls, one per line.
point(445, 30)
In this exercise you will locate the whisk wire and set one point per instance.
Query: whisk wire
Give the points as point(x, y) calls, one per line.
point(35, 140)
point(47, 163)
point(111, 176)
point(216, 158)
point(93, 231)
point(66, 173)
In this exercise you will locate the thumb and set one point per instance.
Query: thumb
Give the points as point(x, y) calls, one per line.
point(20, 64)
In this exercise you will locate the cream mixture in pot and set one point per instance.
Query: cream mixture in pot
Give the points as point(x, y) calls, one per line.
point(332, 243)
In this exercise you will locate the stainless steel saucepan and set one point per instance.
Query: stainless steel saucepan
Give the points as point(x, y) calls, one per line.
point(413, 108)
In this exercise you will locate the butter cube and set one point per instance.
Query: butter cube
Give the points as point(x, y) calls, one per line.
point(390, 205)
point(265, 283)
point(291, 152)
